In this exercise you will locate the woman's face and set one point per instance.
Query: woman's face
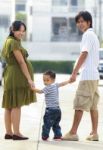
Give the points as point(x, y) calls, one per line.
point(20, 33)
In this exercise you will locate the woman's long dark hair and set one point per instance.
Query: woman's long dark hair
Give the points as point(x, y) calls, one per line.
point(15, 27)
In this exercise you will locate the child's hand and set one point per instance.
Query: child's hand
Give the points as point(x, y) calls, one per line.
point(69, 81)
point(33, 87)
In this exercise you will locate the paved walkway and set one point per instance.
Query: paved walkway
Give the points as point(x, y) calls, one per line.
point(31, 122)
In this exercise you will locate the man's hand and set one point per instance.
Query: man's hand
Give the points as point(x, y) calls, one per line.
point(73, 77)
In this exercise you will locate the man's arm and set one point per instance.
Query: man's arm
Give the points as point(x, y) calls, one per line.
point(78, 65)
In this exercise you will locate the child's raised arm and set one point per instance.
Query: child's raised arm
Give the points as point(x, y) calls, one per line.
point(37, 90)
point(64, 83)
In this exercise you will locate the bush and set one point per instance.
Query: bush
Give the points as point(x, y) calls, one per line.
point(57, 66)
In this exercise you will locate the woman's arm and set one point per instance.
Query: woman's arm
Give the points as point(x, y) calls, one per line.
point(23, 66)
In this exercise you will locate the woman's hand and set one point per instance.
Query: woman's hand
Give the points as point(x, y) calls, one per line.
point(31, 84)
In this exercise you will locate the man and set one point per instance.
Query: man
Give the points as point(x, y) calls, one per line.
point(87, 96)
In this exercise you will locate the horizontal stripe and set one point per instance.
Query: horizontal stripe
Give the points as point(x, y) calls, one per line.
point(51, 95)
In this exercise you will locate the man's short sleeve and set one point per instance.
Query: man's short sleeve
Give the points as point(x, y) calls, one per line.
point(86, 43)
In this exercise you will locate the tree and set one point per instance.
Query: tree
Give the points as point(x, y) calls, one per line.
point(21, 16)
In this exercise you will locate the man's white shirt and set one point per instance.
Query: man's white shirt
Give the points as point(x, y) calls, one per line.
point(90, 43)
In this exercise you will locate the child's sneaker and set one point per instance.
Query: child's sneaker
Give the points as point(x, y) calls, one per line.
point(44, 138)
point(57, 138)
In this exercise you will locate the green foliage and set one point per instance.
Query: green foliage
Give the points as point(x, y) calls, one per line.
point(21, 16)
point(57, 66)
point(101, 44)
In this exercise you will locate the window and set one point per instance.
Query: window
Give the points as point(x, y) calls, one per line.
point(59, 29)
point(72, 25)
point(64, 29)
point(4, 21)
point(20, 7)
point(59, 2)
point(74, 2)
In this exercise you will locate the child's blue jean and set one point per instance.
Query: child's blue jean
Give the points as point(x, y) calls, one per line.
point(52, 118)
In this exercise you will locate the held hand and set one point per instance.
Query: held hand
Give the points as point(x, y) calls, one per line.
point(73, 78)
point(31, 84)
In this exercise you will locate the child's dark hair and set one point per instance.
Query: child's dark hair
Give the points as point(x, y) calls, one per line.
point(85, 15)
point(52, 74)
point(16, 26)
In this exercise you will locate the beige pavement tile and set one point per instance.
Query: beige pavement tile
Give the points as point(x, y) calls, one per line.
point(18, 145)
point(70, 145)
point(31, 123)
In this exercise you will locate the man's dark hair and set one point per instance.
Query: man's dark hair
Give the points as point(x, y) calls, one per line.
point(85, 15)
point(52, 74)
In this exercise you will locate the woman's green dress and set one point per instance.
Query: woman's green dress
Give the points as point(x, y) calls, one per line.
point(16, 88)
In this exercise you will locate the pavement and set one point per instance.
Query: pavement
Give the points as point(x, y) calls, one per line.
point(31, 122)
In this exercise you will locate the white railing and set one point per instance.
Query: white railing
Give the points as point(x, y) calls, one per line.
point(70, 9)
point(59, 9)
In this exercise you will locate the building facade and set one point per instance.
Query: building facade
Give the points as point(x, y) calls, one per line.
point(51, 25)
point(55, 20)
point(54, 31)
point(7, 15)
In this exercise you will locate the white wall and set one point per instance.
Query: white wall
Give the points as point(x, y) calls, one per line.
point(7, 7)
point(42, 5)
point(41, 29)
point(53, 51)
point(29, 19)
point(41, 20)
